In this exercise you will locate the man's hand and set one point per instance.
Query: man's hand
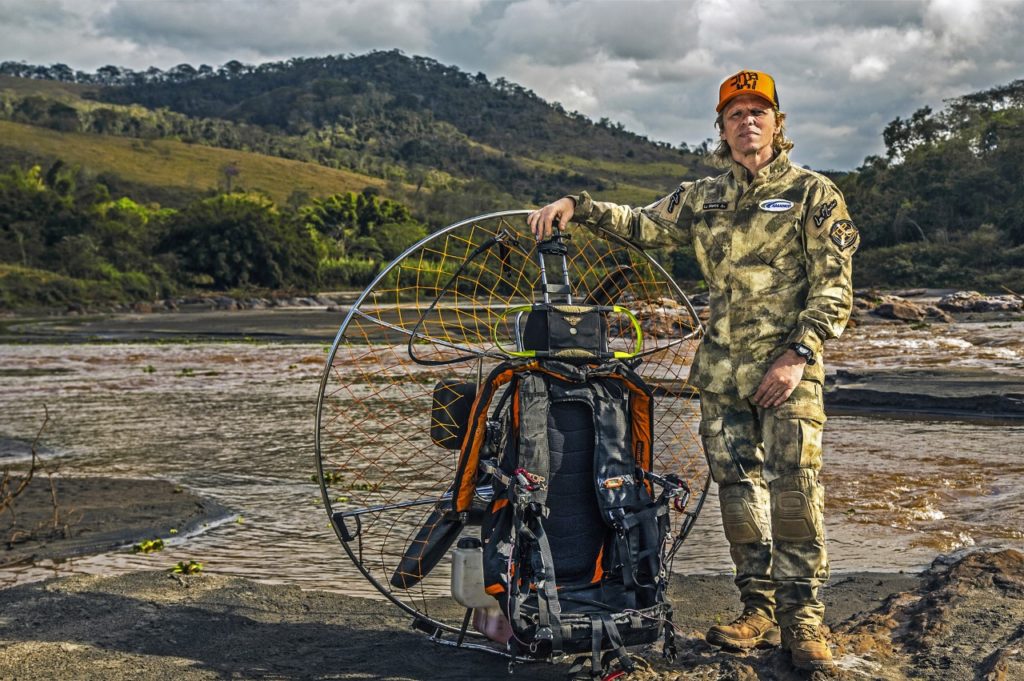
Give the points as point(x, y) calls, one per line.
point(780, 380)
point(558, 214)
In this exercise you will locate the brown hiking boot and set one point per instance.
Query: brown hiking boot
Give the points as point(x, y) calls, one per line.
point(749, 630)
point(807, 648)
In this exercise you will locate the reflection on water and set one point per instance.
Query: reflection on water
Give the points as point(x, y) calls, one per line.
point(234, 421)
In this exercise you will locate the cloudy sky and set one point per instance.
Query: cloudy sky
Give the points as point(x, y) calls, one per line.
point(844, 69)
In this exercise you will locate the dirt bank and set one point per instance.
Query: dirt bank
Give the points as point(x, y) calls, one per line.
point(91, 515)
point(964, 392)
point(961, 619)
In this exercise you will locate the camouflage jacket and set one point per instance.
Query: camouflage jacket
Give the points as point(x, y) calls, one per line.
point(775, 252)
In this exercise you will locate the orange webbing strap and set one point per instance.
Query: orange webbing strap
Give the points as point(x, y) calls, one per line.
point(642, 418)
point(469, 457)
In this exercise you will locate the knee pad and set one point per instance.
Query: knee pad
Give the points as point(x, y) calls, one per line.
point(797, 502)
point(744, 511)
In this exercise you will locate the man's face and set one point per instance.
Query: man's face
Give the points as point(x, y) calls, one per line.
point(748, 125)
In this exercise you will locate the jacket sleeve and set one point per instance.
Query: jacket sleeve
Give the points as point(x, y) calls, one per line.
point(830, 240)
point(665, 222)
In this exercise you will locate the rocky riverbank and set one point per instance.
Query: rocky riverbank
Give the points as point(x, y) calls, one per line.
point(933, 306)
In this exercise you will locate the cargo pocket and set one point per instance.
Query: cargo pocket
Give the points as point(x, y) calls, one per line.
point(792, 438)
point(712, 435)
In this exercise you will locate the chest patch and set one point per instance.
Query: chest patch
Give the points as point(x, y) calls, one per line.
point(716, 205)
point(843, 234)
point(775, 205)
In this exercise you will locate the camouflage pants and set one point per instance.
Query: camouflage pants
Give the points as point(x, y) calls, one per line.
point(766, 464)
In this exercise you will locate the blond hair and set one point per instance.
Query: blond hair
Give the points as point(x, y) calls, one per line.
point(779, 141)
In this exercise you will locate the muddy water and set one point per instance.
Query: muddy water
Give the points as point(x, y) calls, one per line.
point(234, 421)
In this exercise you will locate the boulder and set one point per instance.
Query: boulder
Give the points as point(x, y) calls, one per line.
point(225, 303)
point(937, 314)
point(893, 307)
point(972, 301)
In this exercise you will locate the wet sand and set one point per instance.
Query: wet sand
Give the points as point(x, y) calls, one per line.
point(958, 620)
point(78, 516)
point(961, 392)
point(151, 625)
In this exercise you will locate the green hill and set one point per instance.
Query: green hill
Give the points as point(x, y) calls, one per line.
point(401, 119)
point(177, 167)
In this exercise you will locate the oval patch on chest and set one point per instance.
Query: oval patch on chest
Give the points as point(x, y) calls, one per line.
point(775, 205)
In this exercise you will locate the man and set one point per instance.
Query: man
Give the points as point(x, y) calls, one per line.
point(774, 244)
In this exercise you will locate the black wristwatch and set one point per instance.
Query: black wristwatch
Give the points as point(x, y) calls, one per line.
point(803, 351)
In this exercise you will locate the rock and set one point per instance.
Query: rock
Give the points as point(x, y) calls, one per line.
point(225, 303)
point(142, 307)
point(864, 304)
point(972, 301)
point(937, 314)
point(900, 309)
point(894, 307)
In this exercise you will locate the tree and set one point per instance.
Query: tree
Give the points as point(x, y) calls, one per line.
point(241, 240)
point(395, 237)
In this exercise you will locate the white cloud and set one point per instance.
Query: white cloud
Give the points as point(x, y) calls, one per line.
point(869, 69)
point(654, 65)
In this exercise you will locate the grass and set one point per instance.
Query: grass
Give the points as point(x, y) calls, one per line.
point(46, 88)
point(168, 163)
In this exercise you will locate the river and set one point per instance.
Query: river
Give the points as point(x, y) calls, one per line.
point(234, 421)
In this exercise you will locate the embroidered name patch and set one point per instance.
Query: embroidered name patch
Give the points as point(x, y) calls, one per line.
point(843, 234)
point(776, 205)
point(715, 205)
point(824, 212)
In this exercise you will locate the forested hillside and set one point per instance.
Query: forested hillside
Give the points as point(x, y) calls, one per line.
point(129, 185)
point(944, 207)
point(409, 120)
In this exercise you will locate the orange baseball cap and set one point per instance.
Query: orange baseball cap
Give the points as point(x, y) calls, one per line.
point(747, 83)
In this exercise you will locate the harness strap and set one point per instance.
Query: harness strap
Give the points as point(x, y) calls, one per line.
point(596, 638)
point(668, 648)
point(616, 644)
point(549, 610)
point(514, 571)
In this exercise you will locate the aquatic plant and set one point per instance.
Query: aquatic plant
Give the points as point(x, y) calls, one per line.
point(149, 546)
point(190, 568)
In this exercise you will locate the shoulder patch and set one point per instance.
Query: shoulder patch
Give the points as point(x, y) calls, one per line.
point(843, 234)
point(775, 205)
point(673, 200)
point(824, 212)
